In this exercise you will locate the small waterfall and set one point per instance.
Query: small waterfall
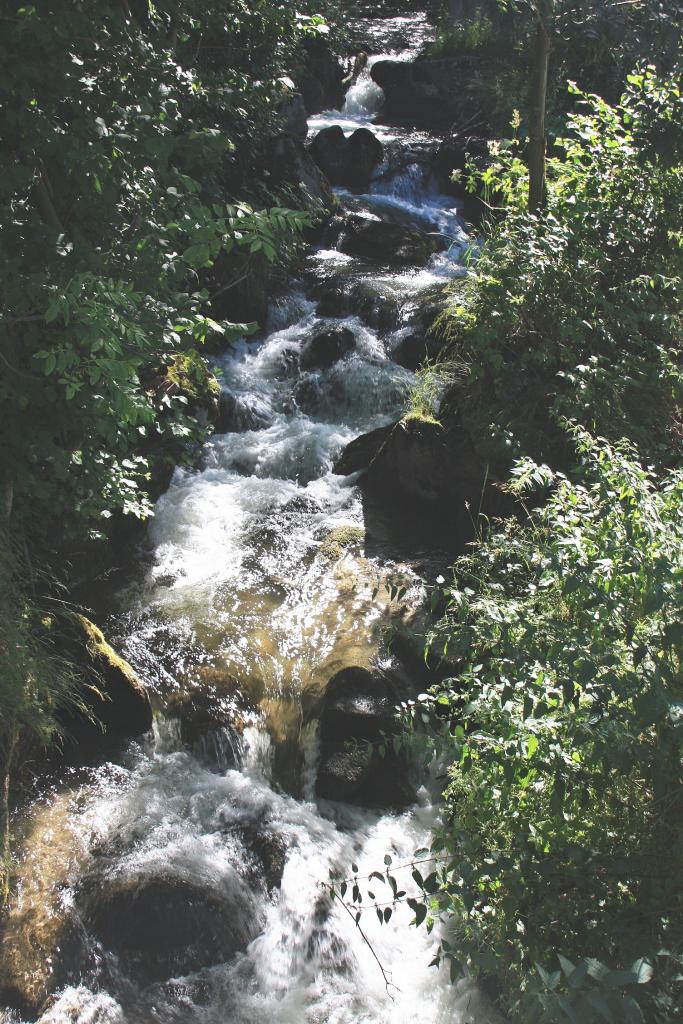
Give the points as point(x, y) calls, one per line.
point(365, 98)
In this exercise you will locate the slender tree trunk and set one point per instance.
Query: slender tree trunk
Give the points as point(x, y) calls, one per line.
point(7, 501)
point(9, 748)
point(44, 204)
point(462, 10)
point(540, 60)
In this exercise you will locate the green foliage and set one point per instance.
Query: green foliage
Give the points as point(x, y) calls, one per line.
point(130, 140)
point(565, 805)
point(557, 865)
point(594, 42)
point(476, 35)
point(431, 381)
point(576, 313)
point(555, 869)
point(35, 681)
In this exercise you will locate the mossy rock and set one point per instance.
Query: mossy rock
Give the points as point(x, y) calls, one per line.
point(114, 702)
point(188, 376)
point(340, 540)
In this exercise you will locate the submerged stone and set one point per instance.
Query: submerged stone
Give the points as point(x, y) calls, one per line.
point(384, 242)
point(326, 347)
point(159, 926)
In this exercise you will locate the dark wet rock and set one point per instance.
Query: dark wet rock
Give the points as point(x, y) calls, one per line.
point(417, 459)
point(295, 116)
point(357, 711)
point(416, 348)
point(321, 81)
point(333, 298)
point(364, 153)
point(391, 244)
point(328, 149)
point(359, 704)
point(431, 91)
point(237, 413)
point(326, 347)
point(378, 307)
point(116, 704)
point(359, 453)
point(428, 463)
point(266, 853)
point(456, 153)
point(345, 161)
point(39, 954)
point(290, 162)
point(428, 307)
point(211, 727)
point(161, 925)
point(363, 778)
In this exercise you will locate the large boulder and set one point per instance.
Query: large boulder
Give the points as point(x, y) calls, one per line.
point(159, 926)
point(360, 453)
point(415, 348)
point(368, 237)
point(265, 854)
point(429, 473)
point(345, 161)
point(376, 304)
point(357, 712)
point(426, 462)
point(289, 161)
point(417, 459)
point(328, 149)
point(326, 347)
point(238, 413)
point(321, 80)
point(364, 778)
point(431, 91)
point(364, 153)
point(113, 702)
point(358, 704)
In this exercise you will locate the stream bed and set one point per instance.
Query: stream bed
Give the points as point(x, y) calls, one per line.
point(268, 574)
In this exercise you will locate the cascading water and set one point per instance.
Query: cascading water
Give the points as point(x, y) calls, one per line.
point(242, 587)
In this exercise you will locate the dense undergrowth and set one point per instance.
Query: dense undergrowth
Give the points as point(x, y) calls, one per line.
point(559, 859)
point(577, 313)
point(137, 189)
point(596, 43)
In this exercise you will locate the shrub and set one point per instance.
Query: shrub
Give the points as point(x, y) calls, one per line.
point(576, 313)
point(564, 812)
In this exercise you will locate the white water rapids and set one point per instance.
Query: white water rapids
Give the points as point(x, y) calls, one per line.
point(239, 586)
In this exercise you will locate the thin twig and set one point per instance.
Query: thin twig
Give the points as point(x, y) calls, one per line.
point(388, 984)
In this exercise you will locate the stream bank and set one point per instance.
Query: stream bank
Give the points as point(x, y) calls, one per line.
point(183, 880)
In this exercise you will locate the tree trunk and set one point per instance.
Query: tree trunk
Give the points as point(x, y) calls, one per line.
point(44, 204)
point(538, 94)
point(7, 500)
point(6, 763)
point(462, 10)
